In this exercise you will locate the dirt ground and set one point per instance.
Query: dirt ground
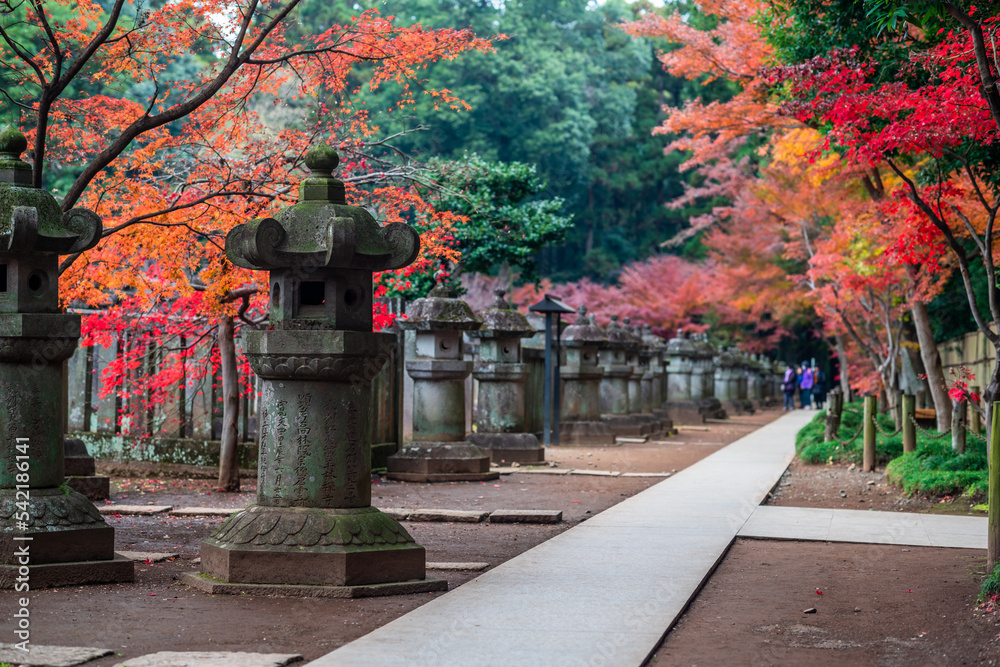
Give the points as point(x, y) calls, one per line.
point(838, 486)
point(880, 606)
point(158, 612)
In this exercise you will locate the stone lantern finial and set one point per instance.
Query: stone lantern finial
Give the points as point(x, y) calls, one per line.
point(12, 168)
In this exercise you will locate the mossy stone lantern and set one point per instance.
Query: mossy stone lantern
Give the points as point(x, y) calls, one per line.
point(439, 451)
point(313, 523)
point(501, 375)
point(652, 380)
point(581, 398)
point(67, 540)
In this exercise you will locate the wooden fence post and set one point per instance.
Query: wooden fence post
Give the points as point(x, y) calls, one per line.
point(868, 455)
point(909, 429)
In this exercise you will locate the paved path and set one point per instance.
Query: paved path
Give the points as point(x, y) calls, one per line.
point(604, 592)
point(902, 528)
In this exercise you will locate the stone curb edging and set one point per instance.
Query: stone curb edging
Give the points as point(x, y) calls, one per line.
point(476, 516)
point(578, 471)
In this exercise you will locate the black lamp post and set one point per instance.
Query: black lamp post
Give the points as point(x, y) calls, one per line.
point(553, 310)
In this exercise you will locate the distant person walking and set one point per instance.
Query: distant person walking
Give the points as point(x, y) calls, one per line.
point(819, 387)
point(806, 382)
point(788, 387)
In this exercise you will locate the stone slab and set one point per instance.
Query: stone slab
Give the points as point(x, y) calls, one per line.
point(863, 527)
point(52, 575)
point(458, 567)
point(645, 474)
point(137, 510)
point(215, 587)
point(421, 477)
point(631, 440)
point(595, 473)
point(459, 516)
point(535, 471)
point(50, 656)
point(603, 592)
point(204, 511)
point(212, 659)
point(526, 516)
point(151, 556)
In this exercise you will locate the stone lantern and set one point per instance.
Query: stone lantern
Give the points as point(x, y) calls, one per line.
point(653, 381)
point(500, 410)
point(313, 524)
point(581, 398)
point(439, 451)
point(703, 387)
point(681, 405)
point(67, 540)
point(637, 358)
point(618, 372)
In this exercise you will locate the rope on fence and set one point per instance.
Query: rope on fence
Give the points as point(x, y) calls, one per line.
point(969, 430)
point(845, 443)
point(927, 433)
point(883, 431)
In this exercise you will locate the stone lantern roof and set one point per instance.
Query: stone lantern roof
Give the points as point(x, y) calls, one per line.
point(680, 345)
point(702, 347)
point(30, 219)
point(583, 331)
point(619, 336)
point(502, 321)
point(441, 309)
point(321, 231)
point(651, 340)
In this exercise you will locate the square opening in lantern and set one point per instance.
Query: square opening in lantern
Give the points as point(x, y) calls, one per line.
point(312, 298)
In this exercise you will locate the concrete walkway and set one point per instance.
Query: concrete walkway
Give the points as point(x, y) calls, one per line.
point(604, 592)
point(900, 528)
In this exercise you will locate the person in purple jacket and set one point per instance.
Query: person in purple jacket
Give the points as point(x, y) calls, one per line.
point(806, 381)
point(788, 387)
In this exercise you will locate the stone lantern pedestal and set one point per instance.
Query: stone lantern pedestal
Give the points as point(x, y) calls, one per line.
point(581, 422)
point(439, 451)
point(703, 388)
point(639, 358)
point(501, 375)
point(617, 410)
point(313, 531)
point(50, 535)
point(681, 405)
point(654, 379)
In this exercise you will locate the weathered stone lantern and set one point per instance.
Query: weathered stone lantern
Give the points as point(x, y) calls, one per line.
point(313, 523)
point(637, 358)
point(618, 372)
point(501, 376)
point(581, 399)
point(67, 540)
point(703, 387)
point(439, 451)
point(681, 405)
point(653, 379)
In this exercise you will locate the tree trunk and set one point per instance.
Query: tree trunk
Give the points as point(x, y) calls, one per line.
point(845, 384)
point(229, 472)
point(932, 365)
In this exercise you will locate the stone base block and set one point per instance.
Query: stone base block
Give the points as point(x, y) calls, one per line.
point(51, 575)
point(510, 447)
point(712, 408)
point(94, 487)
point(440, 462)
point(206, 583)
point(63, 525)
point(585, 433)
point(628, 424)
point(684, 412)
point(311, 546)
point(739, 406)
